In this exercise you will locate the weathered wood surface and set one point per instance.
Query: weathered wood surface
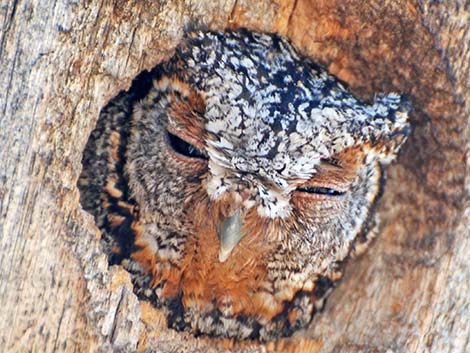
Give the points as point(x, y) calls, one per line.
point(61, 61)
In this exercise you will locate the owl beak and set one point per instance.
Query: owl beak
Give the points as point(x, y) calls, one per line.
point(230, 234)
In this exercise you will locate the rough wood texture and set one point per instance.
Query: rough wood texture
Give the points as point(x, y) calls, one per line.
point(60, 62)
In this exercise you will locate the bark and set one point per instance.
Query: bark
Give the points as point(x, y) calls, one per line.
point(60, 62)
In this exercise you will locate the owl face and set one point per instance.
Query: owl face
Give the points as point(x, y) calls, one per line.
point(255, 174)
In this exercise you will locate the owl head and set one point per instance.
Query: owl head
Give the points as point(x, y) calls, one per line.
point(255, 173)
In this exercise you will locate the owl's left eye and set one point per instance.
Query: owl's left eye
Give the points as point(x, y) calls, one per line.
point(320, 191)
point(185, 148)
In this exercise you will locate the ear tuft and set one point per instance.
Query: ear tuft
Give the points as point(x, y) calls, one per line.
point(398, 108)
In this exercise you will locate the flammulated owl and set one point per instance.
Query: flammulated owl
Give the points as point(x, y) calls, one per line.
point(235, 179)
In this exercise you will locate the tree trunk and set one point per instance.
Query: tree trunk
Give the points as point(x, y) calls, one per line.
point(60, 62)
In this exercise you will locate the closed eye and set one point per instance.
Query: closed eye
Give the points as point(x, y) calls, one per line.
point(185, 148)
point(320, 191)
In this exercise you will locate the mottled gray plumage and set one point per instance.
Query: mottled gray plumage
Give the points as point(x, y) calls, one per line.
point(242, 180)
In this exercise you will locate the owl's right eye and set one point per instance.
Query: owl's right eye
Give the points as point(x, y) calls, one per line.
point(184, 148)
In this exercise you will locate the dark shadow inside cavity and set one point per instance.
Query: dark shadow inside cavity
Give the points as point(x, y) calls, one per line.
point(117, 240)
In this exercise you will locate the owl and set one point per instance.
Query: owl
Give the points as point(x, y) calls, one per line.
point(235, 179)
